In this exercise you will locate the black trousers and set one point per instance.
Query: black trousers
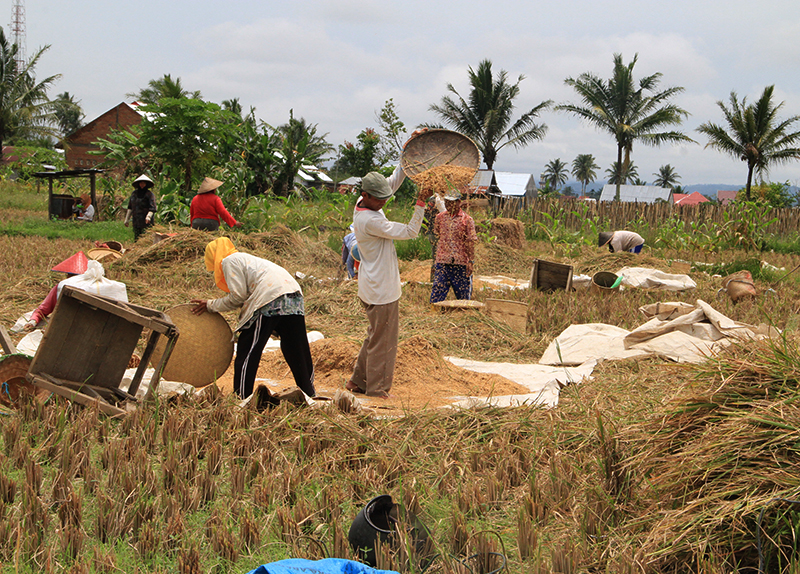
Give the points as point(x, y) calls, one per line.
point(205, 224)
point(294, 346)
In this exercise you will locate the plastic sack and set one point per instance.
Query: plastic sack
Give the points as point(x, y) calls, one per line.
point(325, 566)
point(95, 283)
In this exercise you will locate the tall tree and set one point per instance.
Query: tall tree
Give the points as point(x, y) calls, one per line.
point(359, 158)
point(754, 134)
point(164, 87)
point(68, 113)
point(584, 168)
point(629, 113)
point(184, 134)
point(555, 173)
point(391, 145)
point(666, 176)
point(486, 116)
point(628, 174)
point(25, 110)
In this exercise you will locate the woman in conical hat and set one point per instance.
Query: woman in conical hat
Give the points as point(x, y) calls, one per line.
point(206, 208)
point(141, 205)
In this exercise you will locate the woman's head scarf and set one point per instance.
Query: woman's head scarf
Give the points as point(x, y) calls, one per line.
point(216, 251)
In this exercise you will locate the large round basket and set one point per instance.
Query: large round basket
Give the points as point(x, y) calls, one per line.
point(442, 155)
point(13, 383)
point(203, 350)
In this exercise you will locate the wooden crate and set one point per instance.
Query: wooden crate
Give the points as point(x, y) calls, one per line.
point(87, 347)
point(549, 276)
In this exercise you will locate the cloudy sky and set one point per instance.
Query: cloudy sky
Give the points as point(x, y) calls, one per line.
point(335, 62)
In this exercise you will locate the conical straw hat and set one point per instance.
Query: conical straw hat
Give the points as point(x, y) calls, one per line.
point(203, 351)
point(76, 265)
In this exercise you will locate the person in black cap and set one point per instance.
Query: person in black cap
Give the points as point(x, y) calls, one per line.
point(379, 280)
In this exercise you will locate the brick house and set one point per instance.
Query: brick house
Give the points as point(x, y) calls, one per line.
point(79, 143)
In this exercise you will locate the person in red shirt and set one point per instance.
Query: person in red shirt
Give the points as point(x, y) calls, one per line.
point(455, 251)
point(206, 208)
point(75, 265)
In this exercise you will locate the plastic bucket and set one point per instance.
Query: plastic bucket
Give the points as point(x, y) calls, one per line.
point(378, 520)
point(605, 282)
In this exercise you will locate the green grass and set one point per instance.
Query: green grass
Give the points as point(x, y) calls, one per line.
point(76, 230)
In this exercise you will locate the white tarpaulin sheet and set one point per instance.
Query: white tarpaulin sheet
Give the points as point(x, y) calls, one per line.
point(543, 382)
point(677, 331)
point(643, 278)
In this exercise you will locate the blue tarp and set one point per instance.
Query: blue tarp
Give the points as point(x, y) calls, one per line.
point(326, 566)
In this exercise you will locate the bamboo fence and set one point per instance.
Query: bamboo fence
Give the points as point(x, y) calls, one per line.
point(572, 214)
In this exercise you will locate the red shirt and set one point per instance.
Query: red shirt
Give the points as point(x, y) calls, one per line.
point(457, 238)
point(209, 206)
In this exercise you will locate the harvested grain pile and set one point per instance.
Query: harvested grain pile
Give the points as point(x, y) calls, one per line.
point(441, 178)
point(422, 376)
point(187, 245)
point(509, 232)
point(420, 273)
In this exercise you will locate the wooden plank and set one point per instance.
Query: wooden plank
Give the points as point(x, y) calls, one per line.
point(76, 396)
point(148, 352)
point(151, 390)
point(127, 311)
point(9, 348)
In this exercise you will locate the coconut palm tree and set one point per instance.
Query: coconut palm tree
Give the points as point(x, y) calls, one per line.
point(754, 134)
point(68, 113)
point(666, 176)
point(486, 117)
point(629, 112)
point(164, 87)
point(584, 168)
point(555, 173)
point(629, 174)
point(25, 111)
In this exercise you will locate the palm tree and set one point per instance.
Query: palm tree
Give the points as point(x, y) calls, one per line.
point(486, 117)
point(666, 176)
point(555, 173)
point(629, 174)
point(68, 113)
point(25, 110)
point(754, 134)
point(584, 168)
point(628, 113)
point(296, 130)
point(161, 88)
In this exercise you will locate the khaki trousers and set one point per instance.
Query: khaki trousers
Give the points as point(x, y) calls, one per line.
point(374, 370)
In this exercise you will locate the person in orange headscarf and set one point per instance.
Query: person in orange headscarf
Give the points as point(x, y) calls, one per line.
point(270, 301)
point(85, 208)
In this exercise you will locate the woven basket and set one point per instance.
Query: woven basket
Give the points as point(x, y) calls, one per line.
point(103, 254)
point(203, 351)
point(435, 148)
point(13, 383)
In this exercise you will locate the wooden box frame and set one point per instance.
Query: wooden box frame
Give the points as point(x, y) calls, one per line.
point(88, 344)
point(549, 276)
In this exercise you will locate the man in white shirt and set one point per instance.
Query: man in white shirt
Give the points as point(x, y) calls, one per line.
point(379, 280)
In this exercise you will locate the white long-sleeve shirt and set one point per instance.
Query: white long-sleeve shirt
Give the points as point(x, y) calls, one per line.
point(253, 282)
point(379, 274)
